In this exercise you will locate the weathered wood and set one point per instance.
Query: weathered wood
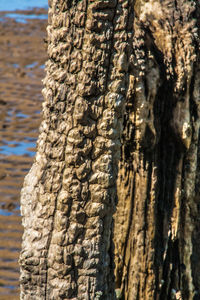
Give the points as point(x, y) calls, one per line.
point(111, 59)
point(157, 221)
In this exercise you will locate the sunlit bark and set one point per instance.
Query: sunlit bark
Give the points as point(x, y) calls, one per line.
point(69, 195)
point(157, 221)
point(119, 72)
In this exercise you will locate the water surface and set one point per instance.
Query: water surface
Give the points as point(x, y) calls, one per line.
point(22, 18)
point(11, 5)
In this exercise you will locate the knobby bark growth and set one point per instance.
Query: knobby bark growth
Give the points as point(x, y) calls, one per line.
point(118, 71)
point(69, 195)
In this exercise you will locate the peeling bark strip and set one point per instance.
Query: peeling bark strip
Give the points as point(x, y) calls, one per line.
point(157, 224)
point(69, 195)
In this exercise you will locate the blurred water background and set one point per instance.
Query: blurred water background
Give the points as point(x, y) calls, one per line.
point(22, 57)
point(22, 4)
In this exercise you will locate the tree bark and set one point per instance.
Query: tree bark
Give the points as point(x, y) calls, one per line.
point(157, 225)
point(118, 72)
point(69, 195)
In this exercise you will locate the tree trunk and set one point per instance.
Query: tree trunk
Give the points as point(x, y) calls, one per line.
point(69, 195)
point(118, 71)
point(157, 225)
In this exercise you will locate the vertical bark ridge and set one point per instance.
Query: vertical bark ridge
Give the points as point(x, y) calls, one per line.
point(83, 10)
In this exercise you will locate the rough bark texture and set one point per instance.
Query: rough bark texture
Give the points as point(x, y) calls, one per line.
point(157, 225)
point(110, 58)
point(69, 195)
